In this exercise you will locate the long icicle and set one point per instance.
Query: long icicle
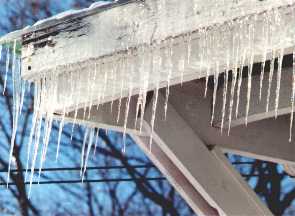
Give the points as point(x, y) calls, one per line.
point(216, 75)
point(154, 109)
point(240, 79)
point(61, 125)
point(83, 150)
point(34, 121)
point(279, 75)
point(6, 68)
point(90, 142)
point(292, 98)
point(15, 87)
point(265, 34)
point(1, 47)
point(170, 66)
point(272, 64)
point(145, 89)
point(232, 96)
point(224, 96)
point(120, 101)
point(96, 141)
point(250, 69)
point(126, 117)
point(36, 147)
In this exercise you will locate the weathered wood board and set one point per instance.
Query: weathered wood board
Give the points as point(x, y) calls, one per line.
point(190, 39)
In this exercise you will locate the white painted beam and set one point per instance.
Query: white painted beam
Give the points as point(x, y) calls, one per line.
point(217, 152)
point(110, 116)
point(266, 139)
point(188, 152)
point(175, 176)
point(104, 118)
point(186, 162)
point(257, 109)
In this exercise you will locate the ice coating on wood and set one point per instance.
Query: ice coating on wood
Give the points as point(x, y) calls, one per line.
point(292, 97)
point(154, 48)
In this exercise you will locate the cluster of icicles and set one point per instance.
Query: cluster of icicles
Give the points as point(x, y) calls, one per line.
point(221, 49)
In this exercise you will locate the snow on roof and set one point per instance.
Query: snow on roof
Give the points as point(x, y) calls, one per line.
point(69, 13)
point(96, 7)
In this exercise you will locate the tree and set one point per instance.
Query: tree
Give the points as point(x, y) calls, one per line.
point(139, 197)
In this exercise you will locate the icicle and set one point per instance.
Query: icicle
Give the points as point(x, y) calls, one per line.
point(34, 123)
point(87, 93)
point(249, 87)
point(189, 49)
point(83, 150)
point(142, 110)
point(7, 68)
point(23, 92)
point(265, 34)
point(154, 109)
point(232, 95)
point(216, 75)
point(16, 101)
point(207, 80)
point(140, 93)
point(240, 77)
point(90, 142)
point(114, 78)
point(181, 66)
point(126, 117)
point(250, 69)
point(156, 63)
point(105, 82)
point(240, 83)
point(1, 51)
point(262, 75)
point(96, 141)
point(47, 132)
point(224, 95)
point(93, 82)
point(140, 98)
point(48, 121)
point(61, 125)
point(170, 66)
point(279, 74)
point(272, 64)
point(292, 98)
point(207, 42)
point(145, 89)
point(121, 93)
point(36, 147)
point(79, 86)
point(138, 105)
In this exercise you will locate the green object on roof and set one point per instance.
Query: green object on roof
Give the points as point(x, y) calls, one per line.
point(10, 45)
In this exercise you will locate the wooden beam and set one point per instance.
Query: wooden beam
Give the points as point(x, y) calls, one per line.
point(104, 118)
point(190, 166)
point(217, 152)
point(99, 33)
point(265, 140)
point(257, 109)
point(188, 152)
point(155, 27)
point(110, 116)
point(176, 178)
